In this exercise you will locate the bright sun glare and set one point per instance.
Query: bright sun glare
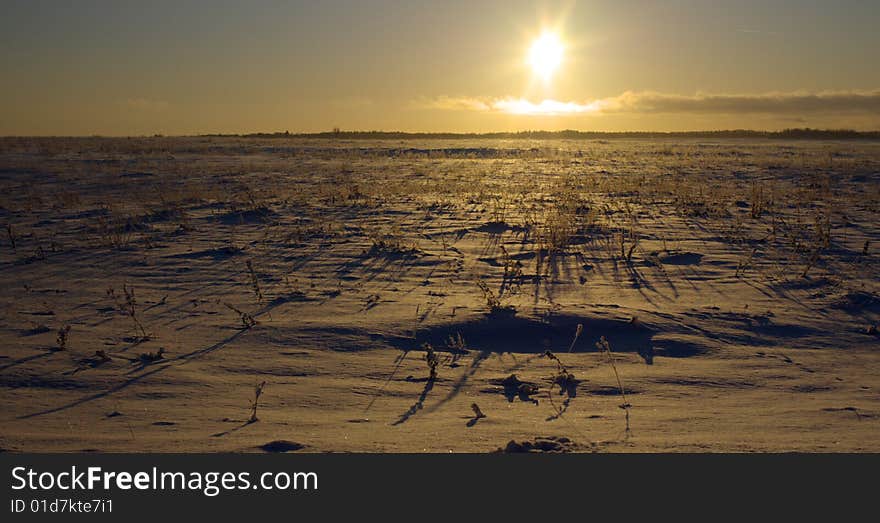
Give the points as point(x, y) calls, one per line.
point(545, 55)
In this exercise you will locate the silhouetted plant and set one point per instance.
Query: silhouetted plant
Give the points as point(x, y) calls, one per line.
point(10, 233)
point(258, 391)
point(605, 347)
point(432, 360)
point(255, 282)
point(62, 338)
point(128, 306)
point(147, 358)
point(247, 321)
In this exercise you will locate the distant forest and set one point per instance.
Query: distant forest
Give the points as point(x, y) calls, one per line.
point(786, 134)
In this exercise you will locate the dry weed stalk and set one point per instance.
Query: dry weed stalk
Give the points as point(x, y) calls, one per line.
point(147, 358)
point(128, 306)
point(456, 344)
point(563, 378)
point(10, 233)
point(577, 334)
point(390, 243)
point(493, 301)
point(744, 264)
point(626, 254)
point(255, 282)
point(258, 391)
point(457, 347)
point(247, 321)
point(811, 262)
point(62, 338)
point(116, 232)
point(512, 278)
point(758, 201)
point(432, 360)
point(604, 346)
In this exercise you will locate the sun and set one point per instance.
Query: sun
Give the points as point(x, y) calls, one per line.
point(545, 55)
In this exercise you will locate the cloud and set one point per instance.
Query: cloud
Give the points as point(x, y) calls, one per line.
point(544, 107)
point(771, 103)
point(794, 104)
point(450, 103)
point(509, 105)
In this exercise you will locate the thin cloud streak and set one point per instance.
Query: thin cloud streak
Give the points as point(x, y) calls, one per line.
point(508, 105)
point(770, 103)
point(794, 103)
point(545, 107)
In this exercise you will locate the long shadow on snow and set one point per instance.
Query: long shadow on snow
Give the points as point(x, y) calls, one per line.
point(528, 335)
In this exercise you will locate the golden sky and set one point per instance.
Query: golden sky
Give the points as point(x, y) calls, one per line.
point(189, 67)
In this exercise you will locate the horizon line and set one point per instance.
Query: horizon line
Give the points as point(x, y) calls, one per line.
point(805, 132)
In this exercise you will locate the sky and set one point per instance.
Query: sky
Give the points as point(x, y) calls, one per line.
point(192, 67)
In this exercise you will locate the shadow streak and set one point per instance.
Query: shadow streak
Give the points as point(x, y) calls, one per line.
point(417, 406)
